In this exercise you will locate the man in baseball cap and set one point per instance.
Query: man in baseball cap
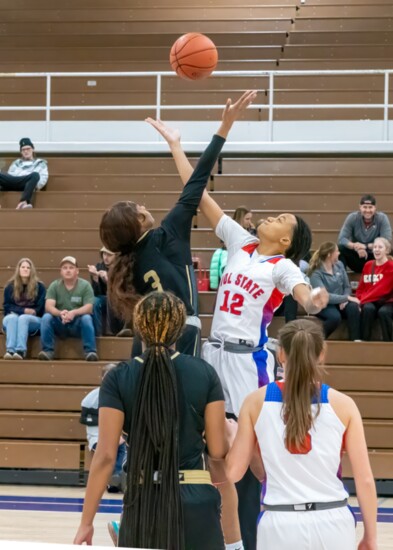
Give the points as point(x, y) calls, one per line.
point(25, 174)
point(69, 308)
point(359, 232)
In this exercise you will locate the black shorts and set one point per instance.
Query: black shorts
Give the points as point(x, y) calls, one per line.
point(202, 517)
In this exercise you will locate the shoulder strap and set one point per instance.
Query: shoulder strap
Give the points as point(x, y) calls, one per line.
point(273, 392)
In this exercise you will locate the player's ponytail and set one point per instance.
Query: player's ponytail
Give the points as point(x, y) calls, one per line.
point(320, 255)
point(152, 516)
point(303, 343)
point(120, 230)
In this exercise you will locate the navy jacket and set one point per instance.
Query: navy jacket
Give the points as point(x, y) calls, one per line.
point(11, 306)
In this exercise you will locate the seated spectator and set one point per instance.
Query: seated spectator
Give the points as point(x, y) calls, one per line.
point(103, 315)
point(243, 216)
point(327, 271)
point(69, 308)
point(24, 305)
point(375, 291)
point(89, 417)
point(359, 232)
point(217, 265)
point(25, 174)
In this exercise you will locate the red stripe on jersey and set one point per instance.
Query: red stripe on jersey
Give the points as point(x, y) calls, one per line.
point(274, 301)
point(249, 248)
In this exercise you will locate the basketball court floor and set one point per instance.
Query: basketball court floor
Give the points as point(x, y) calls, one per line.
point(52, 515)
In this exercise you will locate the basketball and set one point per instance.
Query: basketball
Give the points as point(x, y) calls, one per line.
point(193, 56)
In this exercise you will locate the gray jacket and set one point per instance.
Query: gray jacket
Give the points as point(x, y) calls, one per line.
point(355, 231)
point(337, 285)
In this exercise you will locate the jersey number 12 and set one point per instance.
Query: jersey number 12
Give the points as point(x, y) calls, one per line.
point(233, 303)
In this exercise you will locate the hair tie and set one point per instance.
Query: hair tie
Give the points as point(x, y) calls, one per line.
point(159, 344)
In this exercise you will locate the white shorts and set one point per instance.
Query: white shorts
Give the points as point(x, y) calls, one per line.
point(319, 530)
point(240, 373)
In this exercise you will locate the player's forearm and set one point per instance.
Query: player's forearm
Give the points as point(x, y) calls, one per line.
point(183, 165)
point(100, 472)
point(367, 497)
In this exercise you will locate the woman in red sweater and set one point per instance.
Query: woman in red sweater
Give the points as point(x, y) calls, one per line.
point(375, 291)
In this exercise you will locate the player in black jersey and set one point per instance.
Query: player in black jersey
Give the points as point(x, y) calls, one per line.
point(160, 259)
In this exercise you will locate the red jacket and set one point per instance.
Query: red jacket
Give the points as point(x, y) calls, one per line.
point(378, 289)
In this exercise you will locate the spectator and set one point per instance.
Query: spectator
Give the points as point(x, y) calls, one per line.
point(69, 308)
point(24, 304)
point(25, 174)
point(359, 232)
point(375, 291)
point(243, 216)
point(89, 417)
point(327, 271)
point(102, 312)
point(217, 266)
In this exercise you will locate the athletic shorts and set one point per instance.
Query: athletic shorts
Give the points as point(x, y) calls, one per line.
point(240, 373)
point(318, 530)
point(202, 517)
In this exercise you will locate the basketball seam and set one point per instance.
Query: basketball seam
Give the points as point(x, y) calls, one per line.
point(196, 35)
point(196, 53)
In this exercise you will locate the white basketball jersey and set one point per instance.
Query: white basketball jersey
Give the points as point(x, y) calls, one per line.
point(251, 288)
point(312, 475)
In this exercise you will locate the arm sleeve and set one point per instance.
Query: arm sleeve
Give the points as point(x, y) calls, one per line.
point(216, 392)
point(88, 294)
point(110, 391)
point(179, 219)
point(51, 293)
point(13, 169)
point(42, 169)
point(386, 229)
point(286, 275)
point(362, 285)
point(347, 284)
point(9, 305)
point(96, 287)
point(233, 235)
point(40, 301)
point(346, 233)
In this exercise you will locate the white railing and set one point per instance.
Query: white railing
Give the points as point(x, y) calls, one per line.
point(158, 107)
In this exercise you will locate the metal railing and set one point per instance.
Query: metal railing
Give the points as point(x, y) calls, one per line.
point(271, 107)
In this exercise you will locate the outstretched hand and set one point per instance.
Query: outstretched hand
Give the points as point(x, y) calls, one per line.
point(233, 111)
point(171, 135)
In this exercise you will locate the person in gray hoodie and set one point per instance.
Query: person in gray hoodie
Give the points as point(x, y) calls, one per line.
point(359, 232)
point(327, 271)
point(25, 174)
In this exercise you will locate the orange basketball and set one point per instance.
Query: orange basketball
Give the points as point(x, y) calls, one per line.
point(193, 56)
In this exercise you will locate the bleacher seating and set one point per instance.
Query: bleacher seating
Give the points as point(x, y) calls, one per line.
point(41, 439)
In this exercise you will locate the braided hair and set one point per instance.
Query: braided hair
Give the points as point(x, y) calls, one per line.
point(152, 516)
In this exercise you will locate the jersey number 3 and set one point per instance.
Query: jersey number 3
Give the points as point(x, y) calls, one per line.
point(156, 283)
point(233, 303)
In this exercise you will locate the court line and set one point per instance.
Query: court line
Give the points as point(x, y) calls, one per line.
point(111, 506)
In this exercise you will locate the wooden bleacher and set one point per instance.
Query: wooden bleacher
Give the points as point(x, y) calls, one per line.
point(41, 439)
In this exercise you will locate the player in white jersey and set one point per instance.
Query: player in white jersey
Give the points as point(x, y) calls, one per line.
point(258, 274)
point(299, 428)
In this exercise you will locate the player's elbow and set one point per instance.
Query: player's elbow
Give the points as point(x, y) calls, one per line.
point(233, 472)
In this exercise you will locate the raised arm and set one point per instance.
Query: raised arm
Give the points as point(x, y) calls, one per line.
point(208, 206)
